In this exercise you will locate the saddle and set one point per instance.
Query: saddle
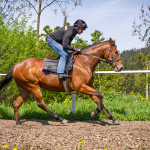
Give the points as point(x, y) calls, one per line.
point(50, 64)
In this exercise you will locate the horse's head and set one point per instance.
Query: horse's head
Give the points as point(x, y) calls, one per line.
point(113, 57)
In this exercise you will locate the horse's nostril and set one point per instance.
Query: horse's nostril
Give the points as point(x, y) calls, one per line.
point(121, 68)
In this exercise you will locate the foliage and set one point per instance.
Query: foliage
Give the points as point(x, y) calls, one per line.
point(17, 43)
point(142, 29)
point(135, 60)
point(80, 43)
point(121, 106)
point(96, 37)
point(127, 107)
point(65, 21)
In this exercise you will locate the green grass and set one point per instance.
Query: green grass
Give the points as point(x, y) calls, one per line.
point(122, 107)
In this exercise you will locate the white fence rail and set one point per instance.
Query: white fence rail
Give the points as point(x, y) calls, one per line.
point(128, 71)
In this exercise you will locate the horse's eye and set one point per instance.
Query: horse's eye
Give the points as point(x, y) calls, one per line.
point(116, 52)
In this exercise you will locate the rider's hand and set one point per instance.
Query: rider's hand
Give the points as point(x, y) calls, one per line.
point(77, 49)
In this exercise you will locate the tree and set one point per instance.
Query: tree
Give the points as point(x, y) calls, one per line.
point(96, 37)
point(36, 5)
point(9, 10)
point(12, 7)
point(65, 21)
point(80, 43)
point(142, 29)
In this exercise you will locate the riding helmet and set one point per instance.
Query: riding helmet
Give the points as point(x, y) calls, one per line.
point(81, 24)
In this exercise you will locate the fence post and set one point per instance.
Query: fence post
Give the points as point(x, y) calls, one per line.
point(73, 102)
point(147, 83)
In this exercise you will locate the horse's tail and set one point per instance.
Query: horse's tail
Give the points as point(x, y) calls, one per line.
point(7, 78)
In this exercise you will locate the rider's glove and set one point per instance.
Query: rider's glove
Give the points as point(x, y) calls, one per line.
point(78, 50)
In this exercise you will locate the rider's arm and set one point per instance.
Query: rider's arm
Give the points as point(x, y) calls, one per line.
point(67, 38)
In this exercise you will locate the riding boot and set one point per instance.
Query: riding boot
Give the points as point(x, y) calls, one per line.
point(62, 75)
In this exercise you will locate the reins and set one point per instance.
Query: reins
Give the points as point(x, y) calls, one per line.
point(106, 61)
point(95, 57)
point(86, 63)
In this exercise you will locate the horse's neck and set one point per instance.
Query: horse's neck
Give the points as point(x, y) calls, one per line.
point(97, 51)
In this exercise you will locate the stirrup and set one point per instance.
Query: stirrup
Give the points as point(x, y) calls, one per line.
point(62, 75)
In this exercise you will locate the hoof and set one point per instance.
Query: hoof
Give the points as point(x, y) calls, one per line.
point(18, 123)
point(116, 122)
point(64, 121)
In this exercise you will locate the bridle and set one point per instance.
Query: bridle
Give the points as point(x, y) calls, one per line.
point(106, 61)
point(110, 52)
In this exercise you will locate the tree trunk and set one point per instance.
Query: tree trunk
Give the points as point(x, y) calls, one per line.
point(38, 21)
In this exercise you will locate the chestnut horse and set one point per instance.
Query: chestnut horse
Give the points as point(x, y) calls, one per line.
point(29, 78)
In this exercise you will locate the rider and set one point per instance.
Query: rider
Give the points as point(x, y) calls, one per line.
point(60, 40)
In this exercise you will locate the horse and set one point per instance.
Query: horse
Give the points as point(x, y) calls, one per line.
point(29, 78)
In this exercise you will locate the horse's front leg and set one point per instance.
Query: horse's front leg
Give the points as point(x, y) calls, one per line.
point(97, 98)
point(95, 95)
point(109, 115)
point(94, 113)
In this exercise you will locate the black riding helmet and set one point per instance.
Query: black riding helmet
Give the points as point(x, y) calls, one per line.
point(81, 24)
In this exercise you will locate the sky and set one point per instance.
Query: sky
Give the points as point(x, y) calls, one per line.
point(114, 18)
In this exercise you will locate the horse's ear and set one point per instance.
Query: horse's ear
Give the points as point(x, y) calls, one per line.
point(111, 41)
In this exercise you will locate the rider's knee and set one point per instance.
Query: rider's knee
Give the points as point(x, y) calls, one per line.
point(65, 54)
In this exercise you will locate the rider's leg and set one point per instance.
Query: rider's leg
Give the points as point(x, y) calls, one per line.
point(63, 56)
point(62, 61)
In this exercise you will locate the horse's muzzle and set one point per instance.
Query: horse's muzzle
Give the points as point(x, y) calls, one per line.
point(117, 68)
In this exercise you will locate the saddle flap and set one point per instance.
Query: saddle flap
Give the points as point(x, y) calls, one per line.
point(50, 63)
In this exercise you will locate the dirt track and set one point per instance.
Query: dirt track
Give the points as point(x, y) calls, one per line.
point(91, 135)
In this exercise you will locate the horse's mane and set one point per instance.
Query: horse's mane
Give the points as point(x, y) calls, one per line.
point(90, 46)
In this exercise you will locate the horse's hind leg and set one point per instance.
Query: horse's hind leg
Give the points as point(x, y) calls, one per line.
point(19, 100)
point(38, 95)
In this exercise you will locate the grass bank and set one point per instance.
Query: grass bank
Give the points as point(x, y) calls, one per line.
point(122, 107)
